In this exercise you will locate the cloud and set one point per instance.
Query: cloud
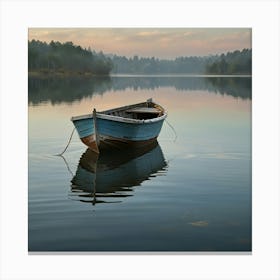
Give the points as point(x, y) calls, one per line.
point(149, 33)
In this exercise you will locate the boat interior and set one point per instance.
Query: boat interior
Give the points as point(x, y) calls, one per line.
point(141, 111)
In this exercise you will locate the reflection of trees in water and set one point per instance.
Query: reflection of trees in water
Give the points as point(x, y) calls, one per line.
point(139, 83)
point(236, 86)
point(57, 90)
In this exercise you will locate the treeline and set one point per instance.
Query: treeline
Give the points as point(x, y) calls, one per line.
point(144, 65)
point(237, 62)
point(66, 58)
point(57, 57)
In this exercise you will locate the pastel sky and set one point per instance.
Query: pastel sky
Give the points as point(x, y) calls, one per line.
point(147, 42)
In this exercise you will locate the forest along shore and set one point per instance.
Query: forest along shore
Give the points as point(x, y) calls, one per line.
point(67, 59)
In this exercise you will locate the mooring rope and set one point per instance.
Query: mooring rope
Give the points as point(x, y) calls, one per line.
point(172, 129)
point(67, 143)
point(67, 165)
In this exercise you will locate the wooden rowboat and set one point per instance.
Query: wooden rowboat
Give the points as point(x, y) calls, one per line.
point(133, 125)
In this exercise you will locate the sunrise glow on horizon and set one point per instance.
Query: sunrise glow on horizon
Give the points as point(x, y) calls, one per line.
point(163, 43)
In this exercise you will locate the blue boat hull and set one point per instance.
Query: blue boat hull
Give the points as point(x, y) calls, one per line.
point(136, 125)
point(118, 130)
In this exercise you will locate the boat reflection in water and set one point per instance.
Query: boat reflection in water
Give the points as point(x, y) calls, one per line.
point(109, 176)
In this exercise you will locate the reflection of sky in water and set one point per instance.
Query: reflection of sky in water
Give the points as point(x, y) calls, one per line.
point(201, 202)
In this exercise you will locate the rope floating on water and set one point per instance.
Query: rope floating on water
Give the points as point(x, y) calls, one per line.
point(172, 129)
point(67, 165)
point(67, 144)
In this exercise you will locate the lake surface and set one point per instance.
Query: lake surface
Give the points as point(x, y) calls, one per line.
point(189, 192)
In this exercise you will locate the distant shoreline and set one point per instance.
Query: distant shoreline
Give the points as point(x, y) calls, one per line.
point(41, 74)
point(45, 74)
point(180, 75)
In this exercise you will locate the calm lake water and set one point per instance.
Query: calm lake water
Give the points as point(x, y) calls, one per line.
point(190, 192)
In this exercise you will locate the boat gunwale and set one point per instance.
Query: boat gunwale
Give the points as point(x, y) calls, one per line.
point(103, 115)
